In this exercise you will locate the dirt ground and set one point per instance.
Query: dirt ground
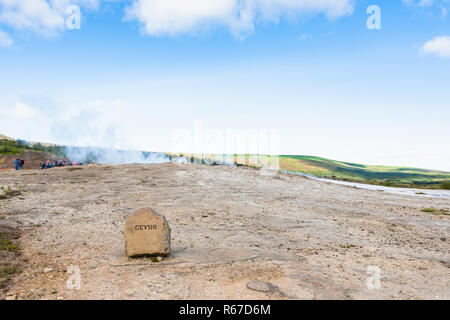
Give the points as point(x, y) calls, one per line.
point(10, 257)
point(230, 225)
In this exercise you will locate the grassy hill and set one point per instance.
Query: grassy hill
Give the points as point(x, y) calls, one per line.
point(346, 171)
point(3, 137)
point(381, 175)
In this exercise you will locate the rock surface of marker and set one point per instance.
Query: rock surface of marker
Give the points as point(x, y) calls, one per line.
point(147, 233)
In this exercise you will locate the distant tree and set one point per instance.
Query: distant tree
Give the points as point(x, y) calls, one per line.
point(21, 143)
point(38, 146)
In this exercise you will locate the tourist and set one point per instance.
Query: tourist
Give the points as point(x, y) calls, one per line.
point(53, 164)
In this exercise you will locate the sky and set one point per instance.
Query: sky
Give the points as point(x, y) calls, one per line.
point(329, 78)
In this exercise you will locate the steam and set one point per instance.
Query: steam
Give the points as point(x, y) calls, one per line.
point(117, 156)
point(204, 159)
point(112, 156)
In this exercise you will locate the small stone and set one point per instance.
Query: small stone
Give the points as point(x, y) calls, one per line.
point(130, 293)
point(47, 270)
point(261, 286)
point(12, 296)
point(170, 276)
point(147, 233)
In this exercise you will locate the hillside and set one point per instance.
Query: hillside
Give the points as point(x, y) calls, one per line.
point(382, 175)
point(3, 137)
point(33, 154)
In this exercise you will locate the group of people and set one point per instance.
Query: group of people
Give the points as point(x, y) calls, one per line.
point(52, 164)
point(19, 163)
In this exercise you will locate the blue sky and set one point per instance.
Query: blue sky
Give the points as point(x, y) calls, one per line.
point(131, 78)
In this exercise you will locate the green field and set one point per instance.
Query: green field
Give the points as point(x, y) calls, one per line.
point(389, 176)
point(380, 175)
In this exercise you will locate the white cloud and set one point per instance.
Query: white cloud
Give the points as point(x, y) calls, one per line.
point(40, 16)
point(92, 124)
point(305, 36)
point(425, 3)
point(439, 46)
point(440, 6)
point(5, 39)
point(418, 3)
point(172, 17)
point(23, 111)
point(107, 105)
point(20, 111)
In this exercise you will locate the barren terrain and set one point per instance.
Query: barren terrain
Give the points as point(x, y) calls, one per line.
point(230, 225)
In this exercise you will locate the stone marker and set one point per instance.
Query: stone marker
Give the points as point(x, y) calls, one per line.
point(147, 233)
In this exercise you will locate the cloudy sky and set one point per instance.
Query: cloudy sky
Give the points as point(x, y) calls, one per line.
point(137, 72)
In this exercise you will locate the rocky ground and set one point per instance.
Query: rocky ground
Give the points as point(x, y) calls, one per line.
point(236, 233)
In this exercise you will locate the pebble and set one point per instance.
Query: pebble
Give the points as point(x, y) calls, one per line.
point(47, 270)
point(261, 286)
point(170, 276)
point(11, 296)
